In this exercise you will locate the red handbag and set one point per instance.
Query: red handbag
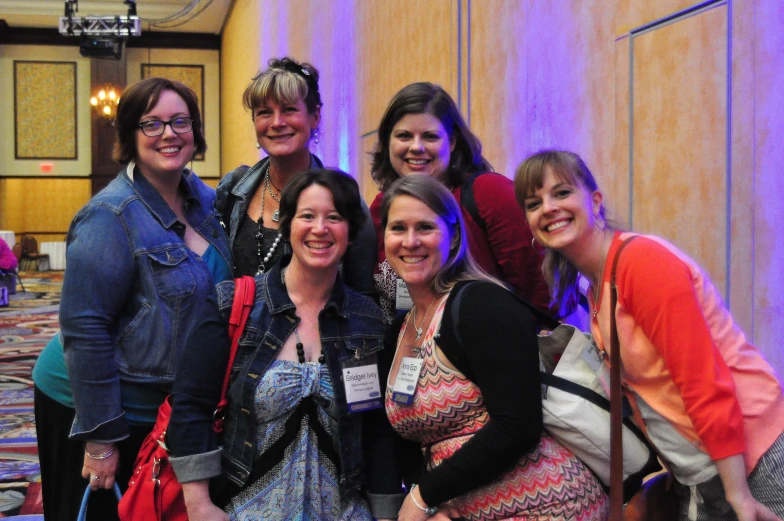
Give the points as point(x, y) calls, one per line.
point(154, 494)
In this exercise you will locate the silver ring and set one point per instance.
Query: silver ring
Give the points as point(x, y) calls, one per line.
point(94, 478)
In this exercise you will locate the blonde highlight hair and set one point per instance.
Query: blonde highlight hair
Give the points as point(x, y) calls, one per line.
point(285, 81)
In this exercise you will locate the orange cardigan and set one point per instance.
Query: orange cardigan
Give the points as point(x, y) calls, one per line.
point(683, 354)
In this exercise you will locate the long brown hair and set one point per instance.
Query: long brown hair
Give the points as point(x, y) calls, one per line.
point(560, 274)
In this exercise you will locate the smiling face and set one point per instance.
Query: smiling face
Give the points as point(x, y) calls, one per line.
point(319, 234)
point(563, 212)
point(416, 241)
point(168, 153)
point(419, 144)
point(284, 129)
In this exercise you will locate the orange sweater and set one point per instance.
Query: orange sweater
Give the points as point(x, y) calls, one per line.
point(683, 354)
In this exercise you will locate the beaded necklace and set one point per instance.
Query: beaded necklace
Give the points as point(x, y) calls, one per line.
point(301, 351)
point(260, 232)
point(299, 345)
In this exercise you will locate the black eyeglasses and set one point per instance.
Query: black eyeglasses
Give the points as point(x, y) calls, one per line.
point(155, 127)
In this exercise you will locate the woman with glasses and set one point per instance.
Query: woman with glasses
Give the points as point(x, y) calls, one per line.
point(142, 256)
point(285, 107)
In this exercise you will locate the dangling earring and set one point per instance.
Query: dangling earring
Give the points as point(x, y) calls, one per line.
point(599, 222)
point(258, 146)
point(533, 246)
point(316, 136)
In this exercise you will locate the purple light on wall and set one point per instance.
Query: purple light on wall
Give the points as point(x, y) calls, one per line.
point(333, 53)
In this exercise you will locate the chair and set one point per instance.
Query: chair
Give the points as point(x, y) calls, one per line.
point(32, 259)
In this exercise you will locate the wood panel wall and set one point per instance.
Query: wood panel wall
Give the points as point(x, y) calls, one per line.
point(675, 105)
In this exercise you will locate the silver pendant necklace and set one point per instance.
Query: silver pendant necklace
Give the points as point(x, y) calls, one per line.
point(260, 232)
point(421, 324)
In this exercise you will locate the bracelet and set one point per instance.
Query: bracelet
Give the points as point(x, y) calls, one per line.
point(430, 511)
point(102, 455)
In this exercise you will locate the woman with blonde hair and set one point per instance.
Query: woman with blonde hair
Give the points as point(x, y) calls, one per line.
point(708, 400)
point(285, 106)
point(464, 383)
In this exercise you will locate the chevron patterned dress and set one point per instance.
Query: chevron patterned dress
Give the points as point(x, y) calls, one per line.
point(547, 484)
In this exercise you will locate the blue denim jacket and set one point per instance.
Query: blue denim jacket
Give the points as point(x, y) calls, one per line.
point(351, 325)
point(360, 257)
point(131, 294)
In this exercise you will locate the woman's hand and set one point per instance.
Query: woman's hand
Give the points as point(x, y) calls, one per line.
point(206, 512)
point(411, 511)
point(750, 509)
point(198, 503)
point(733, 476)
point(101, 472)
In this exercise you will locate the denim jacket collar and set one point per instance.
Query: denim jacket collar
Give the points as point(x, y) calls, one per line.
point(278, 299)
point(252, 178)
point(153, 199)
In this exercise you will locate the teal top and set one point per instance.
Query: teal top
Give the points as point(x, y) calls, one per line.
point(140, 402)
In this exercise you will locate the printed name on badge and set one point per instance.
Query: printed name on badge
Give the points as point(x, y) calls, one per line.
point(360, 378)
point(406, 380)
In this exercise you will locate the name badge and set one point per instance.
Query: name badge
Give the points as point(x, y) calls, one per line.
point(360, 378)
point(592, 357)
point(402, 298)
point(407, 380)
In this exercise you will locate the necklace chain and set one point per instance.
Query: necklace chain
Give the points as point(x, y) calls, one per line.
point(421, 324)
point(260, 232)
point(300, 346)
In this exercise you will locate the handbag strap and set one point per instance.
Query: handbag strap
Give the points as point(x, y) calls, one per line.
point(82, 516)
point(244, 293)
point(616, 411)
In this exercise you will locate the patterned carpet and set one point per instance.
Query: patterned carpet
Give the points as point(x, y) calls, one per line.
point(26, 325)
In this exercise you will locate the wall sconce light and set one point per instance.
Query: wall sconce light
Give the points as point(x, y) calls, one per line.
point(105, 102)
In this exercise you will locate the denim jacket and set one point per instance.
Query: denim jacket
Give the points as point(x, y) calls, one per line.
point(360, 258)
point(130, 294)
point(351, 325)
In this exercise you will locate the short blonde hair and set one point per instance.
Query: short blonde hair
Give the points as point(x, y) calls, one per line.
point(284, 81)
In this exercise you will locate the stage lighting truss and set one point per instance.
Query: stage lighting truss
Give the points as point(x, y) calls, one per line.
point(120, 26)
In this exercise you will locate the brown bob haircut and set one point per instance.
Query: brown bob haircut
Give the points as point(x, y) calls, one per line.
point(345, 197)
point(136, 101)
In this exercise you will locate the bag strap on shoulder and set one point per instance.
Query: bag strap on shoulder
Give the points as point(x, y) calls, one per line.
point(468, 201)
point(244, 293)
point(543, 318)
point(616, 412)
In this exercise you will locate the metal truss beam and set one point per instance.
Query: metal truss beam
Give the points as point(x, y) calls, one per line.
point(100, 26)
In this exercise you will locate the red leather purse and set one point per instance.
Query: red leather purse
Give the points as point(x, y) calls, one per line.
point(154, 494)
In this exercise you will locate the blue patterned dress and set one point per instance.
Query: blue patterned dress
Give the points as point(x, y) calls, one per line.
point(295, 476)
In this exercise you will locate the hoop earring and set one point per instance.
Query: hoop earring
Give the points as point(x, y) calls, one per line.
point(258, 146)
point(533, 246)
